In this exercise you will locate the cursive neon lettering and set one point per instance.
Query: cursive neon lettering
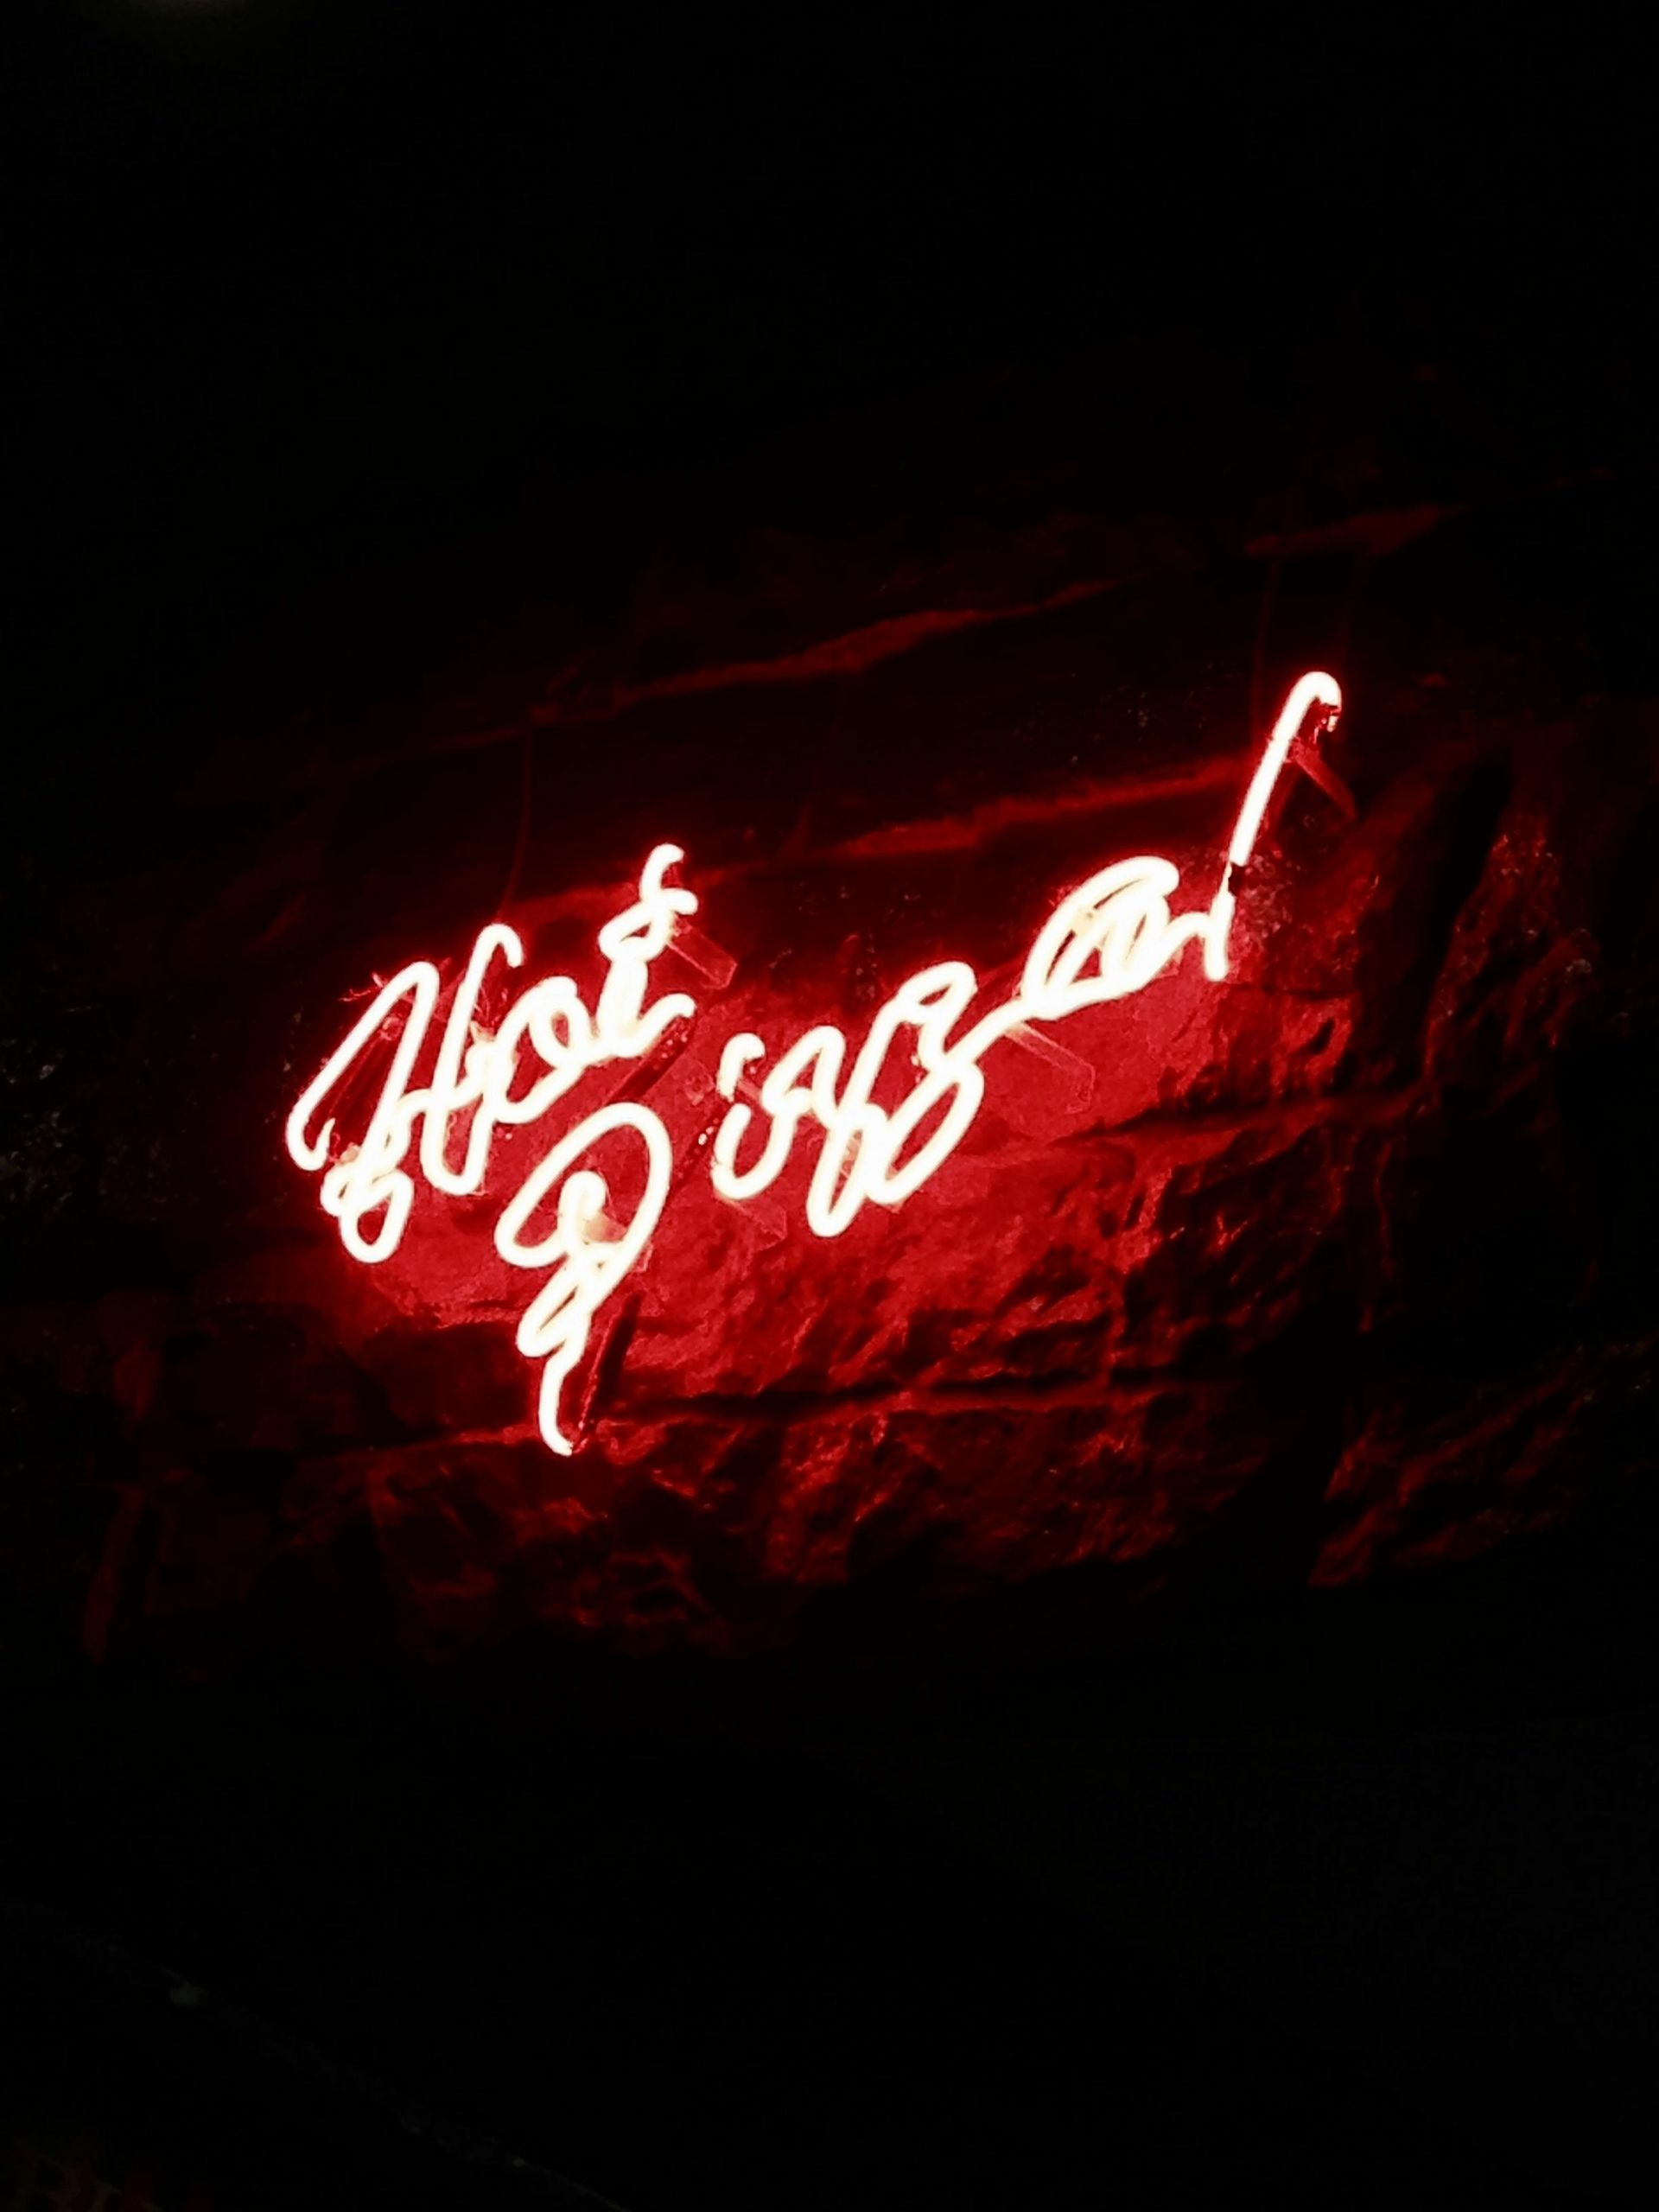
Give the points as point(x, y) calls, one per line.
point(588, 1259)
point(1111, 937)
point(473, 1079)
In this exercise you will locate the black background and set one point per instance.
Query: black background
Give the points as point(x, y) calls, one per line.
point(303, 293)
point(316, 308)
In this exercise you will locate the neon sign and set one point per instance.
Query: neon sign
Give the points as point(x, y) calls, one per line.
point(1111, 937)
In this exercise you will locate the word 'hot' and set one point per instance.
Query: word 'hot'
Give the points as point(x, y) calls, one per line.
point(1110, 937)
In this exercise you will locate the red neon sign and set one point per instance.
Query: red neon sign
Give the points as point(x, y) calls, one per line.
point(1109, 937)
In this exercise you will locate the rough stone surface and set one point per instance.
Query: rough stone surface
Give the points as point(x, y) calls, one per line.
point(1345, 1268)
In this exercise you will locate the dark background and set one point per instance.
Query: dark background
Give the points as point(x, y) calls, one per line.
point(337, 336)
point(303, 294)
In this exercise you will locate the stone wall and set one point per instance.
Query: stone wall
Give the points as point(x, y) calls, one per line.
point(1344, 1269)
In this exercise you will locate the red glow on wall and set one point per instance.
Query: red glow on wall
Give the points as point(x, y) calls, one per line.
point(923, 1052)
